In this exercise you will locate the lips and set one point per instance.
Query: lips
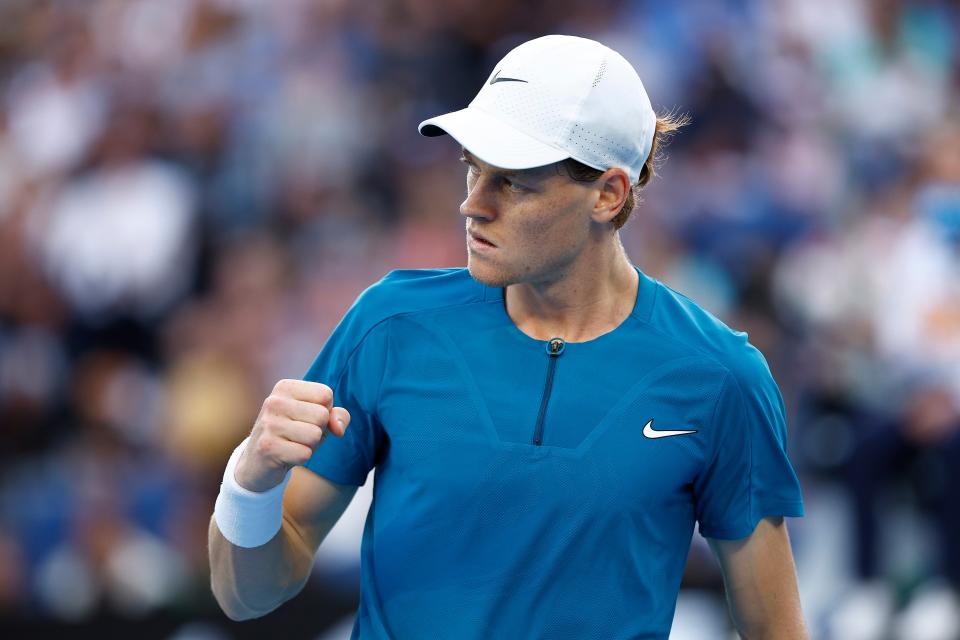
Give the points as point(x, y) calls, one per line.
point(480, 238)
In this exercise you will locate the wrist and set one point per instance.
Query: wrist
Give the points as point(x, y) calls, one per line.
point(243, 478)
point(248, 518)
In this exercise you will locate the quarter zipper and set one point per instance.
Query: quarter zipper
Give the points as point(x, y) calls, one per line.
point(555, 348)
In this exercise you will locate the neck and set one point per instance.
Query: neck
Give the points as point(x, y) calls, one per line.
point(593, 296)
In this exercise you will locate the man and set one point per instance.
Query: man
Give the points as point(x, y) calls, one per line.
point(546, 425)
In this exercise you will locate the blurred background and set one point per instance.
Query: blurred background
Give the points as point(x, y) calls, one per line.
point(192, 192)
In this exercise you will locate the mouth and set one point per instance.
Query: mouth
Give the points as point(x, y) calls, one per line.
point(478, 239)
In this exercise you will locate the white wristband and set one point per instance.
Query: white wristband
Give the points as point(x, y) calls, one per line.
point(248, 518)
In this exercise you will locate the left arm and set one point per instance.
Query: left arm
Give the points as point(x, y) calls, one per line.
point(761, 583)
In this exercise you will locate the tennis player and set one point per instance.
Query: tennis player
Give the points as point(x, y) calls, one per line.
point(547, 425)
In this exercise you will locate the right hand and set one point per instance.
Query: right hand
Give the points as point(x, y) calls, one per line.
point(292, 423)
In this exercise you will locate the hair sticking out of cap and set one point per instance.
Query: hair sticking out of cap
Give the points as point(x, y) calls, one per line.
point(667, 124)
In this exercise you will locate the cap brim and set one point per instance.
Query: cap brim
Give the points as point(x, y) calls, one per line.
point(491, 140)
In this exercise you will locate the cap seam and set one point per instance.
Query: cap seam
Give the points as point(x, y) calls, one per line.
point(580, 103)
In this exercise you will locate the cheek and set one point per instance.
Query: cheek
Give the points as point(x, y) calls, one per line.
point(550, 229)
point(530, 229)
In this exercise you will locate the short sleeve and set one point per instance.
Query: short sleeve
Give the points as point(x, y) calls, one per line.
point(352, 364)
point(749, 475)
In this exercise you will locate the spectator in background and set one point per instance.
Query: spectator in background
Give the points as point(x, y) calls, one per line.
point(902, 325)
point(119, 239)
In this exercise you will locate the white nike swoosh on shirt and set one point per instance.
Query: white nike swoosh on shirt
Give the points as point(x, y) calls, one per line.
point(650, 432)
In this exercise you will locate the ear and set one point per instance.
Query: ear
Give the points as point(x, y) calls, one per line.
point(614, 186)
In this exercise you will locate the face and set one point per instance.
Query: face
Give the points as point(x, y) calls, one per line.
point(536, 221)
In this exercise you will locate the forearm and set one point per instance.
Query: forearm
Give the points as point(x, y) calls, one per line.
point(249, 583)
point(265, 486)
point(771, 617)
point(761, 583)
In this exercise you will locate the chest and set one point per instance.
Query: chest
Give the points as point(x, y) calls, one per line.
point(547, 424)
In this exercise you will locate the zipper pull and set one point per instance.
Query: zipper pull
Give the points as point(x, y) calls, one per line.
point(555, 346)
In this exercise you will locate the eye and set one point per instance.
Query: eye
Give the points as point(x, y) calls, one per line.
point(471, 168)
point(513, 186)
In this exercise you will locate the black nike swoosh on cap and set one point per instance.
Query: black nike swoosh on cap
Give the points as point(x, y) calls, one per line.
point(495, 79)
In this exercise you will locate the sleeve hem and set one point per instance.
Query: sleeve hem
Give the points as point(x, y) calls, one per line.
point(337, 477)
point(782, 509)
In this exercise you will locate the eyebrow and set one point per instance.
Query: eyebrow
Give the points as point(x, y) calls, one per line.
point(537, 173)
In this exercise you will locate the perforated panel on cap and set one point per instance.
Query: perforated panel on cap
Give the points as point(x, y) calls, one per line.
point(595, 149)
point(600, 72)
point(539, 86)
point(615, 123)
point(532, 108)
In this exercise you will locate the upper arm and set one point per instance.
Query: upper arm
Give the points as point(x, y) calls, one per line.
point(312, 504)
point(761, 581)
point(748, 473)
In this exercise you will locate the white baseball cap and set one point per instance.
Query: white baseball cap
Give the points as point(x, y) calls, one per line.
point(554, 98)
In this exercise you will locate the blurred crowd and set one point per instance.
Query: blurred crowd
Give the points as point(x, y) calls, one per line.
point(192, 192)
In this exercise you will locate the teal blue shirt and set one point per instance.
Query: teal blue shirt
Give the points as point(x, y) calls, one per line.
point(532, 489)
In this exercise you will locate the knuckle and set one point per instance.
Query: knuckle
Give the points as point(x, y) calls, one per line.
point(325, 392)
point(264, 446)
point(323, 416)
point(303, 455)
point(272, 403)
point(270, 425)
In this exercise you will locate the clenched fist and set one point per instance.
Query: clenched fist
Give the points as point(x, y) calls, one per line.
point(292, 423)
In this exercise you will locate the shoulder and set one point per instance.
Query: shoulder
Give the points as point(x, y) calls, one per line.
point(686, 322)
point(409, 291)
point(412, 290)
point(747, 393)
point(399, 292)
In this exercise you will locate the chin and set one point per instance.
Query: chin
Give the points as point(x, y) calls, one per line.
point(488, 275)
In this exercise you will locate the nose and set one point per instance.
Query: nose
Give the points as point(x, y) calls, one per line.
point(480, 201)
